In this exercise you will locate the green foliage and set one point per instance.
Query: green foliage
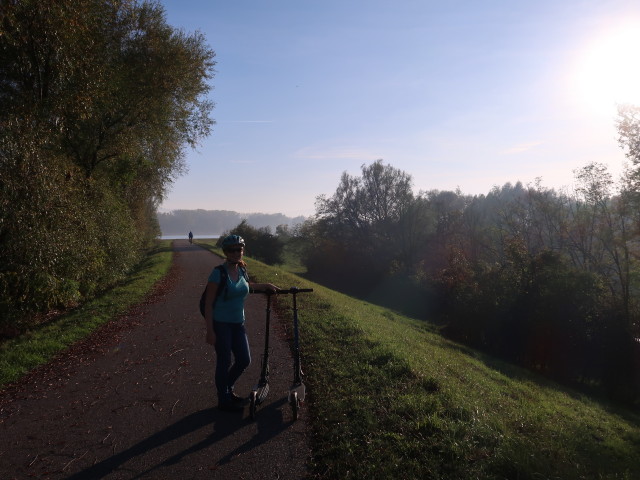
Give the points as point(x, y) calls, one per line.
point(539, 312)
point(40, 344)
point(261, 244)
point(61, 242)
point(97, 101)
point(541, 278)
point(374, 216)
point(366, 208)
point(389, 398)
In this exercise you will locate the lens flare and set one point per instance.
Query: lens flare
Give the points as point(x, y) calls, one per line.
point(608, 73)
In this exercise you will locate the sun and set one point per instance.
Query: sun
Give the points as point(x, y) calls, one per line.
point(608, 72)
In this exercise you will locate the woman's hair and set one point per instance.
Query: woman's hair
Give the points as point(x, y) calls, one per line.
point(240, 263)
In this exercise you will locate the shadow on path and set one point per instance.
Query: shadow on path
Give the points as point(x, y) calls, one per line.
point(269, 424)
point(51, 426)
point(191, 423)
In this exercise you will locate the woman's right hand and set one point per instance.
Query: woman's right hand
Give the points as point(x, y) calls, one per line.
point(211, 338)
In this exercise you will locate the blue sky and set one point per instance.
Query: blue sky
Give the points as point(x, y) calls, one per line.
point(459, 94)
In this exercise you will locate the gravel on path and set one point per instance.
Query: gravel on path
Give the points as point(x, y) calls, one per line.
point(137, 399)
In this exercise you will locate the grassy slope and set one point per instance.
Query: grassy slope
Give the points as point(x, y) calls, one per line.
point(41, 344)
point(390, 398)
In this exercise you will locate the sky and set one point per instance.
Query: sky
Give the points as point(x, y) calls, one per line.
point(460, 94)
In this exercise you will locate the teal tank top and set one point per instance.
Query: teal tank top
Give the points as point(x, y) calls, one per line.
point(229, 307)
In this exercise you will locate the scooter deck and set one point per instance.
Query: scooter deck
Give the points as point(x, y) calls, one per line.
point(262, 391)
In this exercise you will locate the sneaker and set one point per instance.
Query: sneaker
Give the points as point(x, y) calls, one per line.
point(236, 399)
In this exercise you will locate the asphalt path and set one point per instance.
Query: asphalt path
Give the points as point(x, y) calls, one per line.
point(137, 399)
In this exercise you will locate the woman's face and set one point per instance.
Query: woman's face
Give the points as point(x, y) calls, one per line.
point(234, 253)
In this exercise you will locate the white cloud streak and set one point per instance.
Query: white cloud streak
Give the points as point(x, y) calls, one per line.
point(520, 148)
point(336, 153)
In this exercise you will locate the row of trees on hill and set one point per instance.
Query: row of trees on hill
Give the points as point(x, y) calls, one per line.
point(547, 279)
point(97, 102)
point(261, 243)
point(206, 222)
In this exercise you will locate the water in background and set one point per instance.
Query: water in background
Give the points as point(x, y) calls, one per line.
point(186, 237)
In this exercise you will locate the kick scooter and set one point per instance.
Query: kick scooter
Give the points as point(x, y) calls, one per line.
point(297, 389)
point(261, 390)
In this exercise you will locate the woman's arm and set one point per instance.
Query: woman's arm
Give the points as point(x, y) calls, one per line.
point(210, 296)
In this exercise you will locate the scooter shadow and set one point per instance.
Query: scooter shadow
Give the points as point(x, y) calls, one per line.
point(270, 424)
point(225, 424)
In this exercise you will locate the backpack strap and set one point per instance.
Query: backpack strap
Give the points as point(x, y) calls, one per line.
point(244, 273)
point(224, 277)
point(222, 287)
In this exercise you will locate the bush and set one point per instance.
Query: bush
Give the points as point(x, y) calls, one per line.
point(63, 239)
point(261, 244)
point(88, 144)
point(543, 314)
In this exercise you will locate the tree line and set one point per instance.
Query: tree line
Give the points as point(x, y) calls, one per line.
point(98, 101)
point(544, 278)
point(206, 222)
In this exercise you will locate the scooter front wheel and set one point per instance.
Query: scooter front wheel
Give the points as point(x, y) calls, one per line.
point(252, 405)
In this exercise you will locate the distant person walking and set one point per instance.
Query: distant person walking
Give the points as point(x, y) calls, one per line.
point(190, 237)
point(226, 290)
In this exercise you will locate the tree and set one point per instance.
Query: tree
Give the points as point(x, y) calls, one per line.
point(368, 207)
point(98, 100)
point(628, 125)
point(118, 91)
point(361, 226)
point(261, 244)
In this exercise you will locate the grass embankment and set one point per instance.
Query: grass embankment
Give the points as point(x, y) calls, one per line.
point(390, 398)
point(39, 345)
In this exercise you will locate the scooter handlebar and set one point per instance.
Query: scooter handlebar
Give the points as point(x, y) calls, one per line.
point(283, 291)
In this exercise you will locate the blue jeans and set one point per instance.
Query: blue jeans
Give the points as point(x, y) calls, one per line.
point(230, 338)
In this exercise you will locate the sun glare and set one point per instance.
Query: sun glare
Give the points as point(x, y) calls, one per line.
point(608, 72)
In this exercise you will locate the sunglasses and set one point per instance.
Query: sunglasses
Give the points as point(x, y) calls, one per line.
point(235, 250)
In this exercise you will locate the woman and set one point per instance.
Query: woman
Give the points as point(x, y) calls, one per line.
point(224, 318)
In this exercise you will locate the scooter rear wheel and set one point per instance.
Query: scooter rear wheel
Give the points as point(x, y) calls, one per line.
point(295, 405)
